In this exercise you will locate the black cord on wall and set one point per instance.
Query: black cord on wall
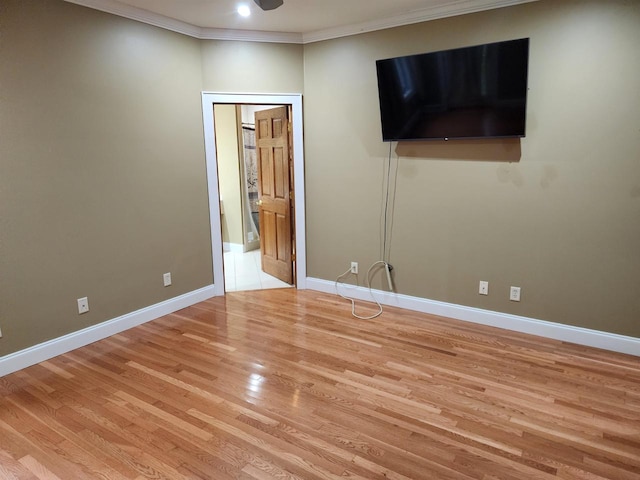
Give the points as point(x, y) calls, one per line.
point(389, 205)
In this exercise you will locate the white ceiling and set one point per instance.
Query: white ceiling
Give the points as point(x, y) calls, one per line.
point(297, 21)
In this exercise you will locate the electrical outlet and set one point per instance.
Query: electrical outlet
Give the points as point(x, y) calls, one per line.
point(514, 294)
point(166, 278)
point(483, 289)
point(354, 267)
point(83, 305)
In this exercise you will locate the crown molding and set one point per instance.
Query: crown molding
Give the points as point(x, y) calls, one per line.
point(140, 15)
point(461, 7)
point(250, 35)
point(144, 16)
point(417, 16)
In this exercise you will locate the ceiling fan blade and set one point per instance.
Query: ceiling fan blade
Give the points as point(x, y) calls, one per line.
point(269, 4)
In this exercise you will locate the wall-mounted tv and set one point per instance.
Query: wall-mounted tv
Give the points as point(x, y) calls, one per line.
point(471, 92)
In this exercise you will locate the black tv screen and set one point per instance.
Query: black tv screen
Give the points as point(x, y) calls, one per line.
point(471, 92)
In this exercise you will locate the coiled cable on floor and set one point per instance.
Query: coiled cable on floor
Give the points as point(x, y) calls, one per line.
point(368, 285)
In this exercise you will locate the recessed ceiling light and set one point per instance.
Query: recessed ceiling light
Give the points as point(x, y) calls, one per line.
point(244, 10)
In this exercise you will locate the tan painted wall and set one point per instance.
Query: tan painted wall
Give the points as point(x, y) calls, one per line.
point(557, 213)
point(226, 125)
point(249, 67)
point(103, 181)
point(103, 188)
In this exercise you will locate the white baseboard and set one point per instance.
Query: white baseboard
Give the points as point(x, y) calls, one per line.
point(52, 348)
point(233, 247)
point(556, 331)
point(582, 336)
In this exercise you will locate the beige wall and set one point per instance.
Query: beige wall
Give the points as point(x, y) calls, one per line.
point(103, 184)
point(103, 187)
point(227, 155)
point(103, 181)
point(557, 213)
point(249, 67)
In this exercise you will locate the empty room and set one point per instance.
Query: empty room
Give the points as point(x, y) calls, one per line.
point(440, 200)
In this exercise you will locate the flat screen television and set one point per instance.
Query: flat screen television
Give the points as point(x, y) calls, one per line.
point(471, 92)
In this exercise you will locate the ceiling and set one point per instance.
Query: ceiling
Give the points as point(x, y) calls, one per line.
point(297, 21)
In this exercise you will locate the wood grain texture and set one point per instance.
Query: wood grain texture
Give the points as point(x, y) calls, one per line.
point(274, 191)
point(285, 384)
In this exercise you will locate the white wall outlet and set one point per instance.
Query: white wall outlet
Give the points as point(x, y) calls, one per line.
point(483, 289)
point(354, 267)
point(514, 294)
point(166, 278)
point(83, 305)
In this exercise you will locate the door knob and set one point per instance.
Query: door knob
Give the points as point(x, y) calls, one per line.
point(259, 202)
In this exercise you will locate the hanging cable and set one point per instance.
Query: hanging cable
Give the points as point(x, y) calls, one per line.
point(386, 220)
point(368, 285)
point(389, 197)
point(393, 206)
point(386, 206)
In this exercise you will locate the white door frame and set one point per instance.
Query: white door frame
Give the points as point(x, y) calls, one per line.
point(295, 100)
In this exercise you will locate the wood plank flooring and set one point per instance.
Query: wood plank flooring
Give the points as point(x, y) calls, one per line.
point(285, 384)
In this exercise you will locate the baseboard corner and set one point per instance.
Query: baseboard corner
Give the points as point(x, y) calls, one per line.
point(57, 346)
point(557, 331)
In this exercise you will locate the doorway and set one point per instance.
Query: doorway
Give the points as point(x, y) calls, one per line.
point(213, 180)
point(254, 164)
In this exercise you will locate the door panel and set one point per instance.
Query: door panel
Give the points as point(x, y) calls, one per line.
point(274, 190)
point(265, 173)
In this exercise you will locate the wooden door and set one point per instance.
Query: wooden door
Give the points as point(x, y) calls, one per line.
point(274, 192)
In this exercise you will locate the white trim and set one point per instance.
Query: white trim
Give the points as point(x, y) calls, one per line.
point(435, 12)
point(293, 99)
point(451, 9)
point(52, 348)
point(234, 247)
point(140, 15)
point(556, 331)
point(249, 36)
point(582, 336)
point(157, 20)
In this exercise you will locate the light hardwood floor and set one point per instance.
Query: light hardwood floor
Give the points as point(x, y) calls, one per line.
point(286, 384)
